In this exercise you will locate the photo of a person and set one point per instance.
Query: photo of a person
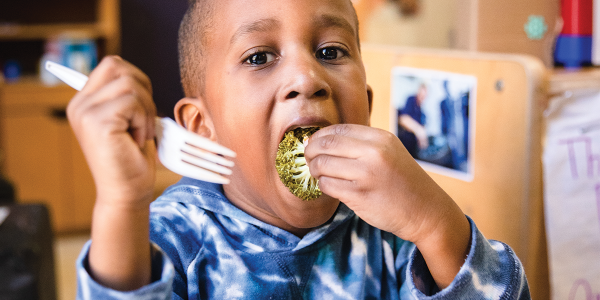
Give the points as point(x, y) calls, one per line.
point(411, 121)
point(431, 113)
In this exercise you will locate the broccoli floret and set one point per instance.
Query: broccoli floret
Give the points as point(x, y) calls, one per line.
point(291, 165)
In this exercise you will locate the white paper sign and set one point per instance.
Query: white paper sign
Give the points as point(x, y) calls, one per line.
point(572, 195)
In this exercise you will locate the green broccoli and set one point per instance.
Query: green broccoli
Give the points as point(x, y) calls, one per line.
point(291, 164)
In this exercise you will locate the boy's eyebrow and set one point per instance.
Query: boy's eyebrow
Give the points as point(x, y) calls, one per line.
point(326, 21)
point(261, 25)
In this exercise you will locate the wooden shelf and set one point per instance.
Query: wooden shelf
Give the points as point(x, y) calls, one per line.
point(30, 32)
point(29, 82)
point(106, 26)
point(563, 80)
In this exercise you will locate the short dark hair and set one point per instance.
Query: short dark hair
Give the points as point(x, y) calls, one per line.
point(193, 39)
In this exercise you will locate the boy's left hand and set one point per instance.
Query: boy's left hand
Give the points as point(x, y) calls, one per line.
point(370, 171)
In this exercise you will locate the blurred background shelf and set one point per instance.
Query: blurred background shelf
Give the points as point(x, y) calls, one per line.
point(43, 31)
point(564, 80)
point(40, 154)
point(41, 20)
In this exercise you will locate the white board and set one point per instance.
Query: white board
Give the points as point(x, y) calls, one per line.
point(572, 195)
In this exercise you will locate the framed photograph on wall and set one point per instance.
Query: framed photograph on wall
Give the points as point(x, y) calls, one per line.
point(433, 114)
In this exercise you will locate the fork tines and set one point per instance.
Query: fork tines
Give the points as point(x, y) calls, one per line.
point(191, 155)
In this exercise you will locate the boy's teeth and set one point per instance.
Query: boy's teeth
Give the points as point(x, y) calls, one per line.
point(300, 127)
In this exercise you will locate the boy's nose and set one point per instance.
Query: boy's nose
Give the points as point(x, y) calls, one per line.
point(305, 78)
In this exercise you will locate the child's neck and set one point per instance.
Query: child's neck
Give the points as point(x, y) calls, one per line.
point(262, 215)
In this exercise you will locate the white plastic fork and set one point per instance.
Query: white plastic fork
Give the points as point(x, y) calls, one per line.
point(179, 150)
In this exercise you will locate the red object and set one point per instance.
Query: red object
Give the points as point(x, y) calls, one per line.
point(577, 16)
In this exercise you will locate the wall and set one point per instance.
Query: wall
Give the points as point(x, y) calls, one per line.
point(150, 42)
point(432, 27)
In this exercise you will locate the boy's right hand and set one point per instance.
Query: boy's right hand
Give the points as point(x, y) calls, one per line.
point(113, 120)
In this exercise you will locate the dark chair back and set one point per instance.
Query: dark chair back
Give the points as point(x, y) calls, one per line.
point(26, 254)
point(7, 192)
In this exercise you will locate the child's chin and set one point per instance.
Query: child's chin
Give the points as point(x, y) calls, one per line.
point(312, 213)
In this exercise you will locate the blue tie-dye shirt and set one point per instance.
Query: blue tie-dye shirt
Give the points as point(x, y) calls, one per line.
point(206, 248)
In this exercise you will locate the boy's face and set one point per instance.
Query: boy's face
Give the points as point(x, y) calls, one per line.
point(272, 66)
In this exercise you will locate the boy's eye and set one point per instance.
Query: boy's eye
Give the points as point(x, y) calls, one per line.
point(260, 58)
point(329, 53)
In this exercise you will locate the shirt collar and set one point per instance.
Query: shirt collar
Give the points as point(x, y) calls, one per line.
point(210, 197)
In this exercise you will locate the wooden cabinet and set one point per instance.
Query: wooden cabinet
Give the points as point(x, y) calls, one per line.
point(96, 19)
point(505, 196)
point(499, 26)
point(490, 26)
point(41, 154)
point(39, 151)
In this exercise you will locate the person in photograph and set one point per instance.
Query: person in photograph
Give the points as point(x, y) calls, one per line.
point(411, 123)
point(454, 115)
point(448, 126)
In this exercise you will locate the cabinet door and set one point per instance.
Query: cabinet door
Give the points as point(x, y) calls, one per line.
point(37, 151)
point(42, 156)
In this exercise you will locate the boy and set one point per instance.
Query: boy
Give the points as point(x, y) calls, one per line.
point(272, 66)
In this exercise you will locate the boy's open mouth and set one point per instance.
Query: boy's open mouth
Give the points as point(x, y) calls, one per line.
point(291, 164)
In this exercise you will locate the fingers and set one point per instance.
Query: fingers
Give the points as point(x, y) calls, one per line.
point(111, 68)
point(119, 86)
point(338, 188)
point(123, 104)
point(349, 130)
point(131, 119)
point(119, 76)
point(138, 102)
point(342, 162)
point(336, 167)
point(350, 159)
point(336, 145)
point(113, 120)
point(348, 141)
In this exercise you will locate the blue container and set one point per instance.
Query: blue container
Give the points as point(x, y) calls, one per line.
point(12, 70)
point(573, 51)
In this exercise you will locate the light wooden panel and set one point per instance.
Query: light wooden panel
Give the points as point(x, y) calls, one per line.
point(499, 26)
point(43, 158)
point(41, 155)
point(38, 150)
point(364, 9)
point(29, 93)
point(11, 32)
point(505, 196)
point(34, 148)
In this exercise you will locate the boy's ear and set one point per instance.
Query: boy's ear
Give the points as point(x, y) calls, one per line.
point(370, 98)
point(192, 114)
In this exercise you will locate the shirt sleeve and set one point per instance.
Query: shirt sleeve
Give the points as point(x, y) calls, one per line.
point(160, 287)
point(491, 271)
